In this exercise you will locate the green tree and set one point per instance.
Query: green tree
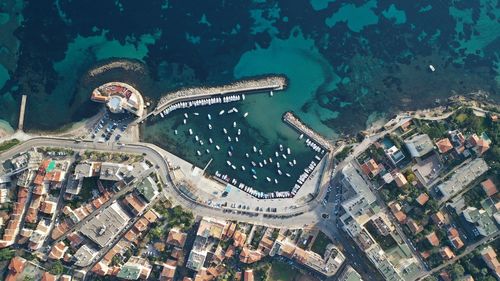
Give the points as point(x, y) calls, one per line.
point(457, 271)
point(57, 268)
point(6, 254)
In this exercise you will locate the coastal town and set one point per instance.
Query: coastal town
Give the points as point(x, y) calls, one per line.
point(415, 199)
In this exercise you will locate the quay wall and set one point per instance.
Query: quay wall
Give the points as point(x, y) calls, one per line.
point(22, 111)
point(245, 86)
point(295, 123)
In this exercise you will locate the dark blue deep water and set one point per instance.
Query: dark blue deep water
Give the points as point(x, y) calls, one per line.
point(349, 62)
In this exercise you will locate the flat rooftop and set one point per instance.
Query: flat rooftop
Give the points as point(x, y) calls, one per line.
point(103, 228)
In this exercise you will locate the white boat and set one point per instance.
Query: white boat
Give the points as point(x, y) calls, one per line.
point(268, 179)
point(270, 160)
point(196, 113)
point(275, 181)
point(245, 115)
point(271, 93)
point(186, 115)
point(254, 176)
point(228, 163)
point(229, 153)
point(432, 67)
point(281, 147)
point(246, 154)
point(235, 109)
point(234, 124)
point(243, 168)
point(221, 112)
point(161, 114)
point(208, 150)
point(228, 138)
point(283, 155)
point(209, 126)
point(276, 154)
point(254, 149)
point(225, 131)
point(253, 164)
point(236, 138)
point(190, 132)
point(175, 132)
point(288, 175)
point(198, 152)
point(260, 152)
point(184, 121)
point(196, 138)
point(239, 132)
point(279, 172)
point(234, 167)
point(210, 140)
point(301, 136)
point(288, 151)
point(265, 162)
point(209, 117)
point(230, 111)
point(294, 162)
point(201, 142)
point(278, 165)
point(260, 164)
point(217, 147)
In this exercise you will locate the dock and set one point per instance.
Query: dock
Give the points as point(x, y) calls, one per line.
point(257, 85)
point(21, 112)
point(294, 122)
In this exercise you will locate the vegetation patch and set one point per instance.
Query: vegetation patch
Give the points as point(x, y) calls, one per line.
point(6, 145)
point(320, 243)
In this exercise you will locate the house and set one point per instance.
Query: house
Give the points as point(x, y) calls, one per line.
point(444, 145)
point(489, 187)
point(414, 227)
point(397, 212)
point(176, 238)
point(135, 268)
point(432, 239)
point(248, 275)
point(370, 168)
point(168, 271)
point(454, 238)
point(239, 238)
point(250, 256)
point(400, 179)
point(46, 276)
point(16, 267)
point(394, 154)
point(58, 250)
point(446, 253)
point(438, 218)
point(422, 199)
point(490, 258)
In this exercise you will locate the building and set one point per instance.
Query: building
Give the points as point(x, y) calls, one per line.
point(419, 145)
point(104, 227)
point(168, 271)
point(438, 218)
point(462, 177)
point(350, 274)
point(480, 221)
point(248, 275)
point(84, 256)
point(119, 98)
point(422, 199)
point(210, 227)
point(454, 238)
point(490, 258)
point(176, 238)
point(114, 171)
point(58, 250)
point(444, 145)
point(16, 267)
point(489, 187)
point(432, 239)
point(394, 154)
point(196, 259)
point(148, 189)
point(446, 253)
point(370, 168)
point(135, 268)
point(400, 179)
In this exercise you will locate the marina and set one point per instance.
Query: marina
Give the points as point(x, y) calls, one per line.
point(242, 158)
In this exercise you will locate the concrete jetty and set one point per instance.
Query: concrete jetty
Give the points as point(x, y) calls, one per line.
point(302, 128)
point(21, 112)
point(257, 85)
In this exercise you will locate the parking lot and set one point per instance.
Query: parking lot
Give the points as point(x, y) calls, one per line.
point(110, 128)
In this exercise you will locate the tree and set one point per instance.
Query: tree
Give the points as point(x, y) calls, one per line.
point(430, 278)
point(457, 271)
point(6, 254)
point(57, 268)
